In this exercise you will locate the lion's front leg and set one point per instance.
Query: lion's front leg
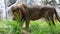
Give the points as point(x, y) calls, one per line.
point(27, 24)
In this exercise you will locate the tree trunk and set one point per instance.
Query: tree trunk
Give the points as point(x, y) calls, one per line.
point(2, 10)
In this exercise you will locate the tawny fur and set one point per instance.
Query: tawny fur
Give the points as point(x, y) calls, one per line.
point(35, 12)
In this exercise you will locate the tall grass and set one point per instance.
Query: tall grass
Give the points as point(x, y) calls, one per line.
point(36, 27)
point(11, 27)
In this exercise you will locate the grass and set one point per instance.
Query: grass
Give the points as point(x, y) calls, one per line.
point(10, 27)
point(36, 27)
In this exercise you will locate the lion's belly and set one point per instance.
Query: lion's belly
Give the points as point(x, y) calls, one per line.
point(35, 17)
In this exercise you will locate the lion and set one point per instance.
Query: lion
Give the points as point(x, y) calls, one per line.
point(34, 13)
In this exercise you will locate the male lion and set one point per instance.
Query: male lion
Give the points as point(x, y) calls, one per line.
point(34, 13)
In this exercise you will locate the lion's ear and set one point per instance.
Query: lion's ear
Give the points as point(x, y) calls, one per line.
point(24, 5)
point(13, 8)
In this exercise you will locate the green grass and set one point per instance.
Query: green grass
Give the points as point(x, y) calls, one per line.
point(39, 27)
point(36, 27)
point(10, 27)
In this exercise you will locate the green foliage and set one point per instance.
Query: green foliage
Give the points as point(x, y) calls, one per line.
point(36, 27)
point(10, 26)
point(39, 27)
